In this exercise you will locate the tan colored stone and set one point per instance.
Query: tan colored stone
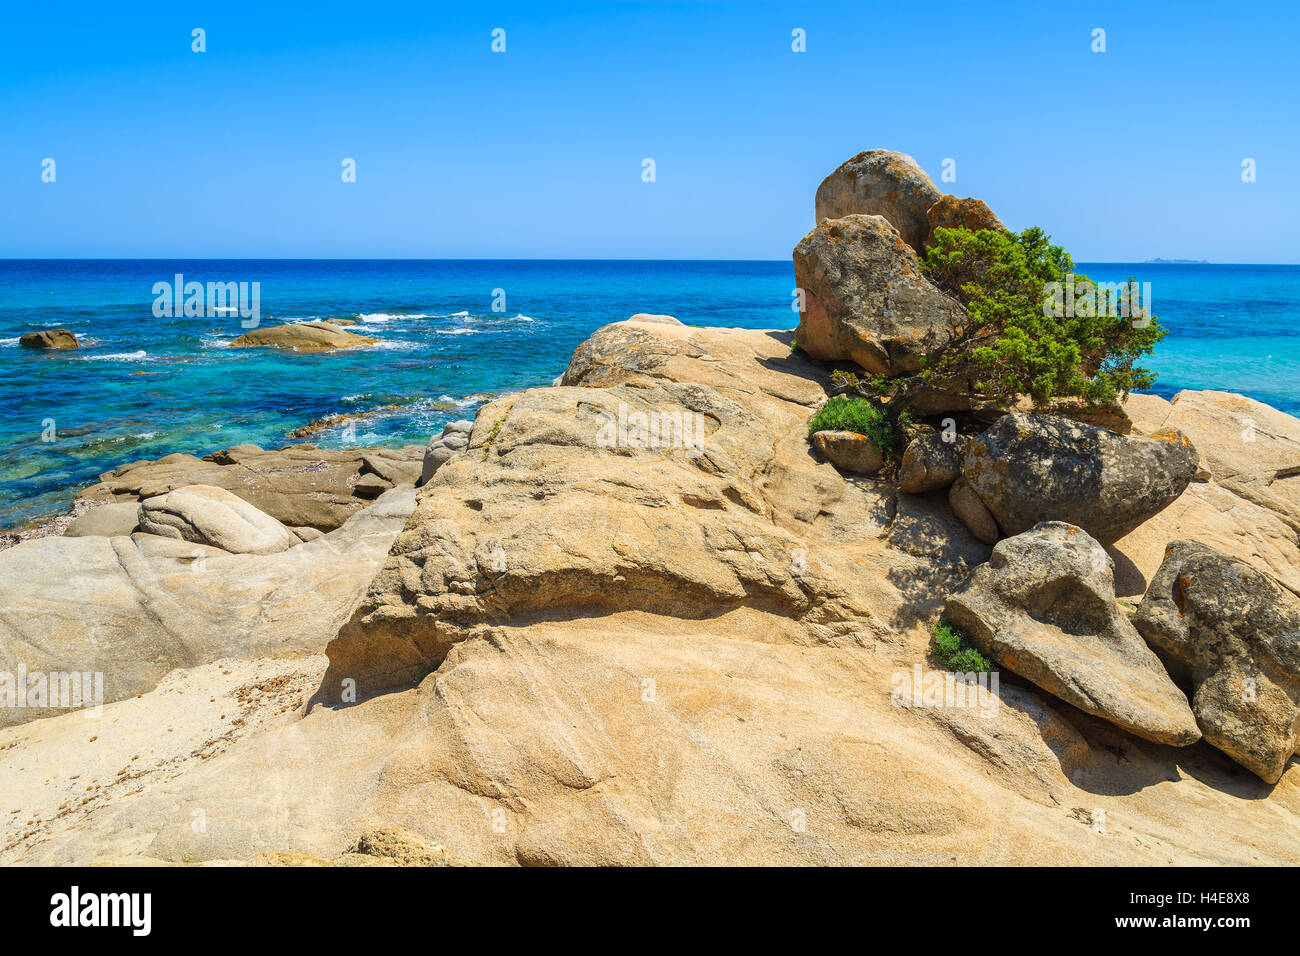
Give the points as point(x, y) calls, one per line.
point(302, 337)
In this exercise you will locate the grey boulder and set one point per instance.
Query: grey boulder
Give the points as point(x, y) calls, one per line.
point(1028, 468)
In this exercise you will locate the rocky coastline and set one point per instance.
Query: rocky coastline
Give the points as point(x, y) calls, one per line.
point(643, 616)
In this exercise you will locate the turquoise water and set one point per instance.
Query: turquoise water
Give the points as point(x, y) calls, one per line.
point(144, 386)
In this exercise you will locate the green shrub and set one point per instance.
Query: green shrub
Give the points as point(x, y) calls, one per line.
point(955, 652)
point(1015, 343)
point(843, 413)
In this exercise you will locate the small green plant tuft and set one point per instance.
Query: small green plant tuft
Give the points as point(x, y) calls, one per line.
point(492, 436)
point(841, 413)
point(955, 652)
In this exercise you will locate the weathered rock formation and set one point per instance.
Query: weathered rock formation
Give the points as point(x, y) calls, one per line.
point(949, 212)
point(135, 608)
point(688, 658)
point(1032, 468)
point(453, 439)
point(931, 462)
point(1233, 634)
point(865, 299)
point(1044, 607)
point(299, 486)
point(212, 516)
point(881, 182)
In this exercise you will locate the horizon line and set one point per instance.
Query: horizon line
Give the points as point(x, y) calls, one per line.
point(1146, 262)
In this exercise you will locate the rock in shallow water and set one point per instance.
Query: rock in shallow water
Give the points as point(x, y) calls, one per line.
point(1032, 468)
point(302, 337)
point(1234, 635)
point(49, 339)
point(1044, 607)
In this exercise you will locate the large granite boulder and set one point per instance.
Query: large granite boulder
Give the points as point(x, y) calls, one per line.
point(302, 337)
point(949, 212)
point(865, 299)
point(213, 516)
point(1233, 634)
point(1044, 607)
point(1028, 468)
point(881, 182)
point(669, 474)
point(299, 486)
point(135, 608)
point(49, 339)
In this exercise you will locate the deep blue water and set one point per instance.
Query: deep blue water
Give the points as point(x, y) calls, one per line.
point(143, 386)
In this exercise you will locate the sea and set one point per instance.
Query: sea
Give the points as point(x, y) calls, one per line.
point(149, 381)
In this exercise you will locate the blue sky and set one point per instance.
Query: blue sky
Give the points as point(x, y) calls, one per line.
point(537, 152)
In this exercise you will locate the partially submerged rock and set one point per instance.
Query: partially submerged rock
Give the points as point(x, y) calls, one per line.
point(1234, 635)
point(849, 451)
point(49, 339)
point(302, 337)
point(865, 299)
point(1031, 468)
point(208, 515)
point(881, 182)
point(1044, 607)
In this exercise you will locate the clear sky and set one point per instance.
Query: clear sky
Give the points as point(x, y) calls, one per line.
point(537, 152)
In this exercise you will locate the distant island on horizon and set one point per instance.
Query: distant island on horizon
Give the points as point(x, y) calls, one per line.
point(1179, 262)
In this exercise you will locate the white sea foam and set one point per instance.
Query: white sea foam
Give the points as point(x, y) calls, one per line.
point(395, 345)
point(456, 332)
point(374, 317)
point(118, 357)
point(476, 399)
point(13, 341)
